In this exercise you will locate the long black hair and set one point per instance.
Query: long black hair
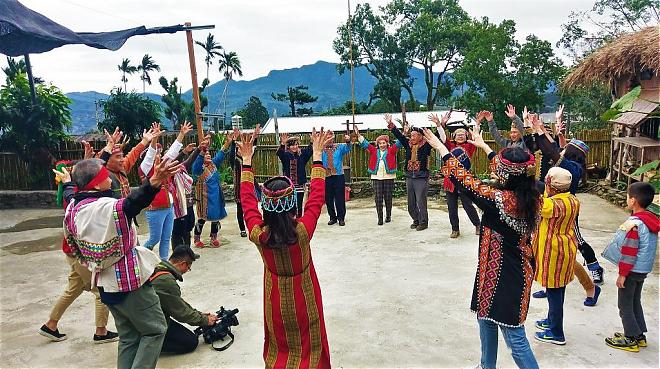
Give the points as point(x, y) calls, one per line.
point(281, 226)
point(524, 186)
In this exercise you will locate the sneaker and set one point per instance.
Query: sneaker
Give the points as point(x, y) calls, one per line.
point(542, 324)
point(422, 227)
point(55, 335)
point(199, 244)
point(243, 234)
point(548, 337)
point(388, 219)
point(597, 275)
point(622, 343)
point(380, 222)
point(591, 301)
point(332, 221)
point(342, 223)
point(108, 337)
point(215, 243)
point(641, 339)
point(454, 234)
point(414, 226)
point(540, 294)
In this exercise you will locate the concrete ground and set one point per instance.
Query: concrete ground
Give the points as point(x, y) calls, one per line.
point(392, 297)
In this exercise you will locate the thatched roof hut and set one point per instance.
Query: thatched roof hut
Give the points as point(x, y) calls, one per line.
point(620, 61)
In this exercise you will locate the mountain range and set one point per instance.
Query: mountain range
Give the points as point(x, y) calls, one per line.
point(321, 77)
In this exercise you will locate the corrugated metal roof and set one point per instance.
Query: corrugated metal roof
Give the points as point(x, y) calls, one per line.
point(337, 123)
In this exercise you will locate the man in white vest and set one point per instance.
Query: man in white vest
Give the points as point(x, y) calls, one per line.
point(101, 232)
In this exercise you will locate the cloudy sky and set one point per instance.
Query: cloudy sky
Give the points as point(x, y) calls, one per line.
point(266, 34)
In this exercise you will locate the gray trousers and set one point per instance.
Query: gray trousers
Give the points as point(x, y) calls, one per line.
point(418, 190)
point(141, 326)
point(630, 305)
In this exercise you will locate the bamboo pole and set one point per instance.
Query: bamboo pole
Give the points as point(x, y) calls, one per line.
point(195, 88)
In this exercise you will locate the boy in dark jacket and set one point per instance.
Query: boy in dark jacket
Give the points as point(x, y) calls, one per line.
point(178, 339)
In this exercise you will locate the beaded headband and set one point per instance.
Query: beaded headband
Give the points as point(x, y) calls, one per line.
point(506, 168)
point(279, 201)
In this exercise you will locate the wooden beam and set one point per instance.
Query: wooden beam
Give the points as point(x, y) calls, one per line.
point(195, 87)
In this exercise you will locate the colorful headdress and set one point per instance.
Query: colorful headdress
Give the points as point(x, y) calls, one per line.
point(279, 201)
point(580, 145)
point(506, 168)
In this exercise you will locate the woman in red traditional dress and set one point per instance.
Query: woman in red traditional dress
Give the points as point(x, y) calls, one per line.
point(295, 335)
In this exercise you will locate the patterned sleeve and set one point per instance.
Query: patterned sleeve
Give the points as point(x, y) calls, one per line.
point(316, 199)
point(481, 194)
point(249, 200)
point(548, 207)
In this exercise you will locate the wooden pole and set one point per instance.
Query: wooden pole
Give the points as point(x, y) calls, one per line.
point(195, 88)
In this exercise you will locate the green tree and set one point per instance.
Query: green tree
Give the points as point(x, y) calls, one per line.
point(253, 113)
point(496, 71)
point(376, 50)
point(347, 108)
point(212, 50)
point(296, 97)
point(33, 131)
point(176, 109)
point(433, 34)
point(229, 65)
point(148, 65)
point(126, 68)
point(585, 105)
point(588, 30)
point(131, 112)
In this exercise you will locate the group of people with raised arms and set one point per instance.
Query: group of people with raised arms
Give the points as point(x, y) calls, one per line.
point(528, 230)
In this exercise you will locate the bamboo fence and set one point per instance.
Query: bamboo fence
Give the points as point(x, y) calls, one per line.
point(14, 173)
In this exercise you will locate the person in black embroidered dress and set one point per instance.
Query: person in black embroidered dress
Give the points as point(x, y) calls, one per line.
point(294, 161)
point(505, 272)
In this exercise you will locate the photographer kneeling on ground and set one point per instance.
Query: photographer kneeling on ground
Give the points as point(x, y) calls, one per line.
point(178, 339)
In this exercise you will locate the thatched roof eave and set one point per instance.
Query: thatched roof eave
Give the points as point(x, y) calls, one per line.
point(624, 56)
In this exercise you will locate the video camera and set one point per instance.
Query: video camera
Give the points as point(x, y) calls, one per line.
point(221, 328)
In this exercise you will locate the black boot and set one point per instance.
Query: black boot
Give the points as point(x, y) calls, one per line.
point(388, 215)
point(380, 215)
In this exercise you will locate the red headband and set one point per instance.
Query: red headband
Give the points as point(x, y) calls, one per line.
point(102, 175)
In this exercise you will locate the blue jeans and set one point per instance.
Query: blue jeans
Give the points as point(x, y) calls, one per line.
point(515, 339)
point(556, 310)
point(160, 223)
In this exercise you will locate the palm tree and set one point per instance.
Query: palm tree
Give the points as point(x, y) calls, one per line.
point(212, 50)
point(126, 68)
point(148, 65)
point(229, 64)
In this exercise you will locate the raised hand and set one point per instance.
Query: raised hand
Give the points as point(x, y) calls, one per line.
point(477, 138)
point(246, 147)
point(163, 170)
point(561, 127)
point(480, 116)
point(284, 137)
point(433, 140)
point(445, 118)
point(185, 128)
point(537, 124)
point(113, 138)
point(320, 139)
point(356, 130)
point(147, 136)
point(559, 113)
point(388, 119)
point(488, 115)
point(64, 176)
point(434, 118)
point(525, 114)
point(510, 111)
point(189, 148)
point(125, 142)
point(89, 150)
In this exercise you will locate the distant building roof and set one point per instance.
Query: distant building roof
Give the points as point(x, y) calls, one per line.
point(337, 123)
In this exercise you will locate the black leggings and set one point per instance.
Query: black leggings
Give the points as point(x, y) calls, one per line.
point(452, 208)
point(239, 216)
point(585, 249)
point(215, 227)
point(182, 229)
